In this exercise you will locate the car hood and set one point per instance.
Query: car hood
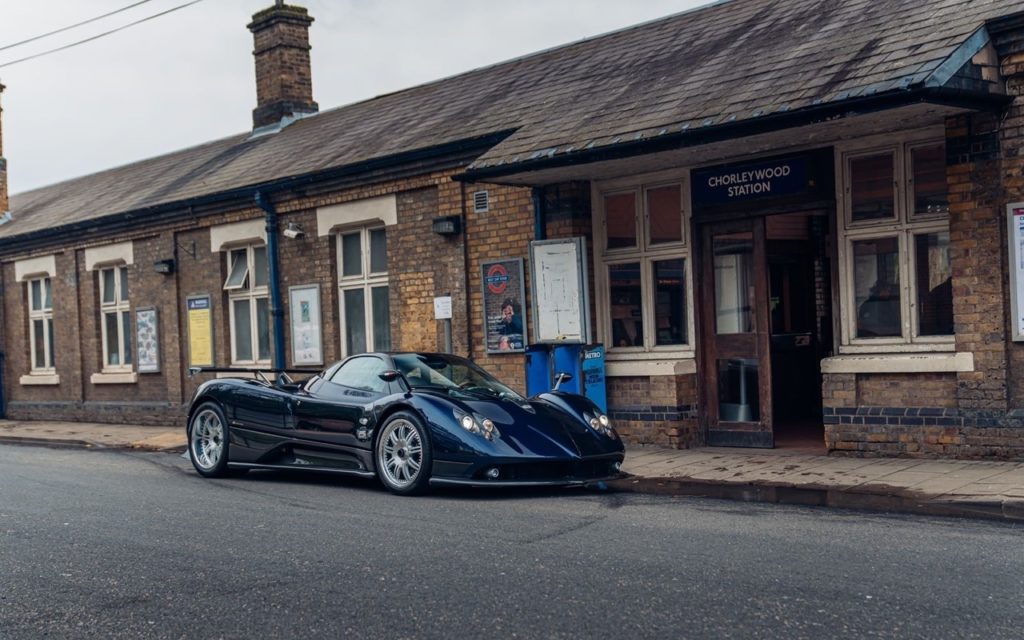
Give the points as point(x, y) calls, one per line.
point(550, 424)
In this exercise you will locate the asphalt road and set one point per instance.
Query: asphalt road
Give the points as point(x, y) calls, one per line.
point(111, 544)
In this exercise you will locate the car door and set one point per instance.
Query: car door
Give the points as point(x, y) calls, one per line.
point(330, 411)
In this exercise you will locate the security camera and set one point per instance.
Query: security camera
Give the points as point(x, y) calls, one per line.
point(294, 231)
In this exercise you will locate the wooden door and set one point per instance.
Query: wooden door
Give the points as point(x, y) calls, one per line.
point(736, 366)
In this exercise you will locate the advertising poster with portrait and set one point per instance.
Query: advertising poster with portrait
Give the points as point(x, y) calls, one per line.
point(504, 299)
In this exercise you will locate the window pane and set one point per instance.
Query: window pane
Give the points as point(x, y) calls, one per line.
point(351, 254)
point(738, 397)
point(876, 285)
point(931, 194)
point(38, 344)
point(263, 327)
point(381, 319)
point(126, 336)
point(665, 209)
point(107, 278)
point(378, 251)
point(934, 284)
point(47, 299)
point(242, 329)
point(239, 269)
point(37, 294)
point(355, 321)
point(110, 333)
point(626, 307)
point(50, 343)
point(361, 373)
point(872, 182)
point(620, 214)
point(261, 270)
point(670, 301)
point(734, 283)
point(124, 284)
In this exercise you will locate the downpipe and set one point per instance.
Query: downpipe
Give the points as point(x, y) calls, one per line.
point(276, 309)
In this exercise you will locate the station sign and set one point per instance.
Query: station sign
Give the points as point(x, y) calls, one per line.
point(771, 178)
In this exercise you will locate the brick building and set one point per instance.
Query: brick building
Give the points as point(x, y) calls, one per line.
point(796, 216)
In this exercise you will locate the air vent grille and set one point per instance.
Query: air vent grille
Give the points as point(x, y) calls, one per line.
point(481, 202)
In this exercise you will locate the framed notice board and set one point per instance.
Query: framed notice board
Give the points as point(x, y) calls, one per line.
point(1015, 236)
point(561, 302)
point(200, 331)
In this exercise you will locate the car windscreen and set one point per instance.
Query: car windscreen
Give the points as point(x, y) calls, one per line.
point(450, 373)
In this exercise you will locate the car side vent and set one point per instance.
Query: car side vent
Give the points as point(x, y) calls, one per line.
point(481, 202)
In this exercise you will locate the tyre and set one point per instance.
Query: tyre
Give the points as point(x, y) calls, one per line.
point(208, 441)
point(403, 454)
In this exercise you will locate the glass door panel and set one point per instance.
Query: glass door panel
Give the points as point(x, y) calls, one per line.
point(735, 335)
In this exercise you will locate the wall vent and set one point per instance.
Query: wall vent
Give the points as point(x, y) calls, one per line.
point(481, 202)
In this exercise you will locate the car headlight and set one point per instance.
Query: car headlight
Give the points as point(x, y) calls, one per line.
point(481, 427)
point(600, 423)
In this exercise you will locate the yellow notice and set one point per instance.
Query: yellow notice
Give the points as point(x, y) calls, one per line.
point(200, 332)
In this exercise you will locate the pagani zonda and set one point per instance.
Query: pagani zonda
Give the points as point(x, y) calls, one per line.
point(411, 419)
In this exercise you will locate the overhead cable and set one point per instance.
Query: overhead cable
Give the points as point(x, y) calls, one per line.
point(100, 35)
point(72, 26)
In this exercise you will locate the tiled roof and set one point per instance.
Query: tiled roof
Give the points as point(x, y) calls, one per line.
point(727, 62)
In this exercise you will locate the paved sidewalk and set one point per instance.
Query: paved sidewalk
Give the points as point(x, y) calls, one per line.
point(935, 487)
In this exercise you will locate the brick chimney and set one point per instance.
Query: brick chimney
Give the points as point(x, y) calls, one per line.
point(4, 204)
point(284, 82)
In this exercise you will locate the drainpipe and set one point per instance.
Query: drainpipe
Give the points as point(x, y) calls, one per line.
point(538, 213)
point(276, 311)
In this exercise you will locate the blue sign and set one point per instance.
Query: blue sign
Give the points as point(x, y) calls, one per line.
point(740, 182)
point(196, 304)
point(594, 375)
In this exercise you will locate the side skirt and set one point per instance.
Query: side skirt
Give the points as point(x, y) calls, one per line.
point(285, 467)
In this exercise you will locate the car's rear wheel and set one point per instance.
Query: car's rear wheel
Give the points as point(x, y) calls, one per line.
point(208, 441)
point(403, 454)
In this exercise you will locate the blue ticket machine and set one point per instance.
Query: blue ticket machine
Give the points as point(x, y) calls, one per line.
point(585, 363)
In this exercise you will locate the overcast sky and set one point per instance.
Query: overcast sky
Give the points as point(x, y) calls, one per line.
point(187, 77)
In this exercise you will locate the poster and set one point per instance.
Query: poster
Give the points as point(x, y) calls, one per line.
point(1015, 220)
point(200, 331)
point(560, 300)
point(504, 299)
point(147, 339)
point(304, 303)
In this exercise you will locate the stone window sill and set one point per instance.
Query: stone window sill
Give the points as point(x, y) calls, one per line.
point(900, 363)
point(615, 368)
point(127, 377)
point(40, 379)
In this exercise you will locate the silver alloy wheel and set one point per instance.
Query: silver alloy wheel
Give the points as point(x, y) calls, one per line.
point(207, 439)
point(400, 453)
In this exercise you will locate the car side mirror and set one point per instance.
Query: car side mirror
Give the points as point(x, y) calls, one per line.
point(390, 375)
point(561, 377)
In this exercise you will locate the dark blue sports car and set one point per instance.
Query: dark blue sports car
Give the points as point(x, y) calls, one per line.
point(411, 419)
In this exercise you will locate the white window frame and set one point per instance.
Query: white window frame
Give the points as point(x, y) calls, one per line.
point(121, 309)
point(646, 254)
point(904, 226)
point(247, 291)
point(44, 313)
point(366, 281)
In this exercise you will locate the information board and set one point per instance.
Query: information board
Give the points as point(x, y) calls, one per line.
point(200, 331)
point(561, 309)
point(1015, 220)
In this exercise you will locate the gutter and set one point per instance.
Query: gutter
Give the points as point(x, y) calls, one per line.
point(745, 128)
point(182, 210)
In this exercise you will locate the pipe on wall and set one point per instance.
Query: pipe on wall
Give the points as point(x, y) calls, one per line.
point(273, 261)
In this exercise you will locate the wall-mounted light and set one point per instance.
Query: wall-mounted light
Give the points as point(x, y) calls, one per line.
point(447, 226)
point(165, 267)
point(294, 231)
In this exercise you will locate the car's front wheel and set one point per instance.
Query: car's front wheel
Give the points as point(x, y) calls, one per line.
point(403, 454)
point(208, 441)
